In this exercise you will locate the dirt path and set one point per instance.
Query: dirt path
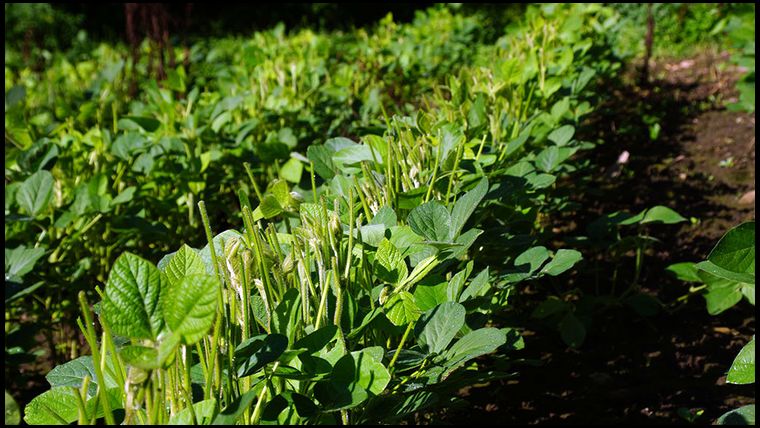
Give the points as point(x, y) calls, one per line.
point(648, 370)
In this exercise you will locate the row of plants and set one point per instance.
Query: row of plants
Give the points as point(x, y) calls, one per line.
point(355, 292)
point(91, 172)
point(356, 300)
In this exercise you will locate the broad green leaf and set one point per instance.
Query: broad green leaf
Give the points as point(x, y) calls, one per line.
point(401, 309)
point(456, 284)
point(429, 296)
point(465, 206)
point(292, 170)
point(562, 261)
point(302, 404)
point(528, 262)
point(133, 304)
point(354, 154)
point(321, 157)
point(219, 241)
point(36, 192)
point(735, 252)
point(143, 357)
point(562, 135)
point(12, 412)
point(57, 406)
point(744, 415)
point(477, 286)
point(685, 271)
point(438, 326)
point(472, 345)
point(73, 373)
point(661, 214)
point(551, 157)
point(572, 330)
point(286, 314)
point(389, 263)
point(540, 181)
point(431, 220)
point(125, 196)
point(355, 377)
point(204, 411)
point(743, 368)
point(712, 268)
point(719, 299)
point(190, 306)
point(147, 123)
point(230, 414)
point(318, 339)
point(20, 261)
point(385, 216)
point(256, 352)
point(184, 262)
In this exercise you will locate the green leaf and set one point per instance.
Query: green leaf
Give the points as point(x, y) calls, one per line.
point(256, 352)
point(686, 271)
point(190, 306)
point(735, 252)
point(147, 123)
point(744, 415)
point(184, 262)
point(204, 411)
point(316, 340)
point(465, 206)
point(143, 357)
point(286, 314)
point(743, 368)
point(385, 216)
point(355, 377)
point(36, 192)
point(477, 286)
point(401, 309)
point(231, 413)
point(472, 345)
point(712, 268)
point(562, 135)
point(551, 157)
point(429, 296)
point(572, 330)
point(12, 412)
point(73, 373)
point(562, 261)
point(389, 263)
point(438, 326)
point(292, 170)
point(661, 214)
point(57, 406)
point(20, 261)
point(354, 154)
point(125, 196)
point(321, 156)
point(718, 299)
point(133, 304)
point(456, 284)
point(431, 220)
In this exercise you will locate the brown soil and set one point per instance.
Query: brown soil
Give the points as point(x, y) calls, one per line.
point(633, 369)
